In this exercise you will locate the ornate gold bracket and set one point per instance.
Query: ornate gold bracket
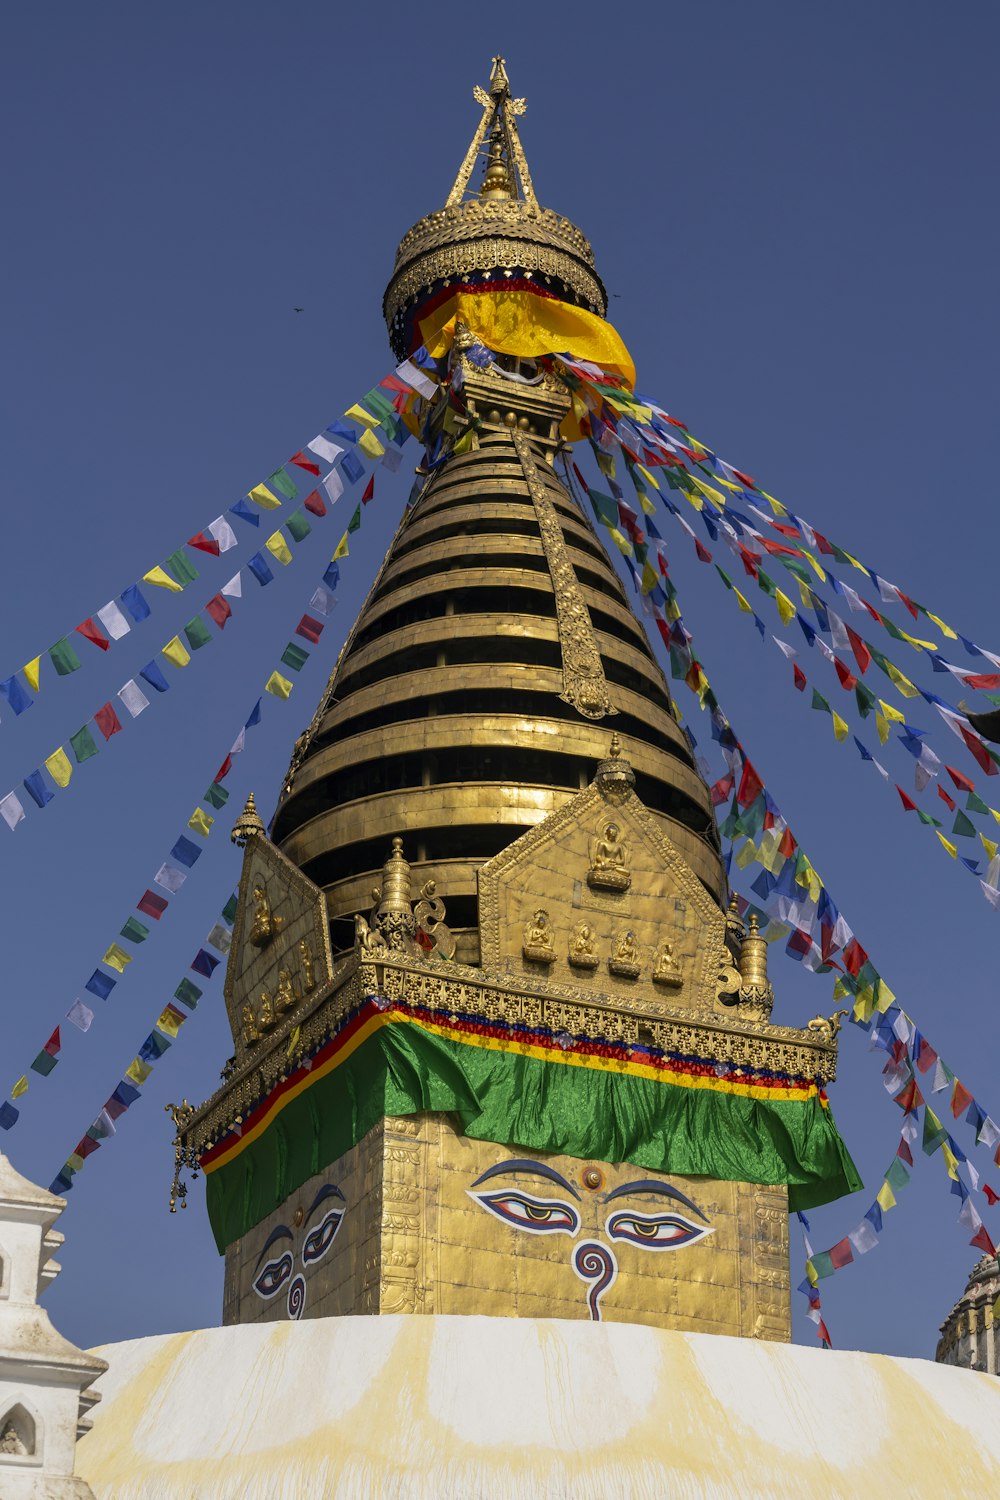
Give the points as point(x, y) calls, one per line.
point(584, 683)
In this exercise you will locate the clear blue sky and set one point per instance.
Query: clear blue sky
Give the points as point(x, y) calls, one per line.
point(794, 208)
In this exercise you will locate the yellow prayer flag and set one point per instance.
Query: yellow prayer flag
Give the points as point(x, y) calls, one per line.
point(991, 848)
point(920, 645)
point(200, 822)
point(171, 1021)
point(293, 1040)
point(950, 1159)
point(342, 549)
point(262, 496)
point(864, 1005)
point(59, 767)
point(694, 500)
point(31, 673)
point(884, 996)
point(647, 475)
point(891, 713)
point(786, 609)
point(776, 505)
point(624, 547)
point(885, 1198)
point(814, 565)
point(278, 685)
point(840, 988)
point(138, 1070)
point(162, 579)
point(645, 502)
point(176, 651)
point(746, 855)
point(882, 725)
point(370, 445)
point(650, 577)
point(464, 444)
point(840, 727)
point(951, 848)
point(812, 1273)
point(806, 593)
point(902, 682)
point(995, 815)
point(941, 625)
point(20, 1087)
point(116, 958)
point(278, 548)
point(695, 443)
point(358, 414)
point(855, 564)
point(743, 604)
point(717, 499)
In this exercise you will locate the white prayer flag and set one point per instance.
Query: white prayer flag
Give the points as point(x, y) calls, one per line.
point(104, 1125)
point(334, 486)
point(786, 650)
point(234, 588)
point(969, 1216)
point(113, 621)
point(838, 632)
point(326, 450)
point(220, 937)
point(863, 1238)
point(237, 747)
point(81, 1015)
point(989, 1134)
point(132, 698)
point(323, 601)
point(221, 531)
point(391, 459)
point(170, 877)
point(939, 1079)
point(411, 375)
point(11, 810)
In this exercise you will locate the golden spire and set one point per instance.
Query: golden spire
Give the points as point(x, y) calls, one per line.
point(248, 824)
point(506, 154)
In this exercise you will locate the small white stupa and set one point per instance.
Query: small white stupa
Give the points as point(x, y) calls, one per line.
point(44, 1379)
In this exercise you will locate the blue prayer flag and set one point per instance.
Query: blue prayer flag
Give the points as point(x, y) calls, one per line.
point(342, 430)
point(16, 694)
point(185, 852)
point(874, 1217)
point(246, 512)
point(254, 718)
point(36, 788)
point(151, 673)
point(124, 1095)
point(135, 603)
point(332, 575)
point(9, 1115)
point(62, 1183)
point(205, 962)
point(352, 466)
point(153, 1047)
point(260, 569)
point(100, 984)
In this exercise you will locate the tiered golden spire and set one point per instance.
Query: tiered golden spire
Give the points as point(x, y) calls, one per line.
point(505, 154)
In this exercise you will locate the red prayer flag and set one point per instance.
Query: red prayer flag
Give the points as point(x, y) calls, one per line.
point(982, 1239)
point(87, 1146)
point(424, 941)
point(788, 846)
point(975, 744)
point(703, 556)
point(862, 655)
point(962, 782)
point(224, 769)
point(750, 786)
point(841, 1254)
point(855, 957)
point(218, 609)
point(778, 549)
point(204, 543)
point(873, 612)
point(722, 788)
point(115, 1107)
point(946, 798)
point(94, 633)
point(315, 504)
point(303, 461)
point(823, 1333)
point(743, 478)
point(960, 1098)
point(751, 562)
point(927, 1056)
point(907, 802)
point(914, 611)
point(309, 629)
point(847, 677)
point(991, 1196)
point(152, 905)
point(369, 493)
point(983, 682)
point(904, 1153)
point(786, 530)
point(53, 1044)
point(664, 630)
point(107, 721)
point(910, 1099)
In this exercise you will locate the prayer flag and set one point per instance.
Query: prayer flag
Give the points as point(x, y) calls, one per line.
point(30, 670)
point(181, 566)
point(175, 651)
point(370, 445)
point(334, 484)
point(84, 747)
point(188, 994)
point(123, 1096)
point(132, 698)
point(283, 484)
point(100, 984)
point(81, 1016)
point(204, 543)
point(64, 658)
point(170, 1020)
point(243, 510)
point(354, 523)
point(116, 958)
point(297, 526)
point(216, 796)
point(278, 548)
point(161, 579)
point(152, 905)
point(358, 414)
point(220, 937)
point(37, 790)
point(309, 629)
point(154, 1047)
point(43, 1063)
point(197, 633)
point(279, 686)
point(302, 460)
point(135, 603)
point(20, 1087)
point(200, 822)
point(185, 852)
point(322, 600)
point(107, 721)
point(218, 610)
point(59, 767)
point(53, 1045)
point(259, 568)
point(138, 1070)
point(152, 674)
point(91, 632)
point(314, 503)
point(9, 1116)
point(327, 451)
point(223, 533)
point(11, 810)
point(205, 962)
point(229, 910)
point(294, 656)
point(15, 694)
point(134, 931)
point(369, 493)
point(262, 496)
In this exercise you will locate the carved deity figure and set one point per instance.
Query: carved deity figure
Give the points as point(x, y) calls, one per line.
point(10, 1441)
point(538, 945)
point(308, 967)
point(285, 995)
point(609, 860)
point(250, 1033)
point(583, 948)
point(625, 956)
point(667, 970)
point(265, 925)
point(267, 1018)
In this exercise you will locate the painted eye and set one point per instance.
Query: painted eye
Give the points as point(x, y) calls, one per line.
point(318, 1241)
point(538, 1215)
point(655, 1231)
point(272, 1277)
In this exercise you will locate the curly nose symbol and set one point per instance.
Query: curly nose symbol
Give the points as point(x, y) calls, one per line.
point(595, 1263)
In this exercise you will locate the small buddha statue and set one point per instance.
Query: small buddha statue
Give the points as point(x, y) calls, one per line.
point(308, 967)
point(667, 970)
point(583, 947)
point(285, 996)
point(265, 925)
point(624, 958)
point(609, 860)
point(538, 946)
point(10, 1441)
point(267, 1018)
point(250, 1033)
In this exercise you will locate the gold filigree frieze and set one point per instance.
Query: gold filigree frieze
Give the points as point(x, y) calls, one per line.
point(584, 683)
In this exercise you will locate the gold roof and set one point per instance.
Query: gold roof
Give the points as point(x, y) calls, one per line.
point(498, 229)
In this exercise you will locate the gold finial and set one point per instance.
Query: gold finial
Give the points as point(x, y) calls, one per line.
point(755, 991)
point(506, 154)
point(616, 745)
point(248, 824)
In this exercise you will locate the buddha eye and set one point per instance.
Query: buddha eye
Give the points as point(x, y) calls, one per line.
point(272, 1277)
point(538, 1215)
point(667, 1231)
point(318, 1241)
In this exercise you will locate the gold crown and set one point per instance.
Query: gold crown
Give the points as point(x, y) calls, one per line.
point(500, 231)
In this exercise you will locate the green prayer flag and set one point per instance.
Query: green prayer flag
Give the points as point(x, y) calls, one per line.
point(765, 582)
point(354, 524)
point(216, 796)
point(976, 804)
point(898, 1175)
point(135, 931)
point(297, 526)
point(293, 656)
point(964, 826)
point(197, 633)
point(724, 576)
point(188, 994)
point(229, 910)
point(44, 1064)
point(823, 1264)
point(280, 481)
point(181, 566)
point(931, 822)
point(604, 507)
point(820, 702)
point(64, 658)
point(865, 699)
point(83, 744)
point(934, 1132)
point(897, 635)
point(378, 404)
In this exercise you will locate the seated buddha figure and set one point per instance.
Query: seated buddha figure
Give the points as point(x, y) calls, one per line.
point(265, 925)
point(609, 860)
point(583, 947)
point(625, 959)
point(667, 970)
point(538, 945)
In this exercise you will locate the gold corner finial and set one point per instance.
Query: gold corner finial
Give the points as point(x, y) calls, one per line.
point(248, 824)
point(506, 162)
point(616, 745)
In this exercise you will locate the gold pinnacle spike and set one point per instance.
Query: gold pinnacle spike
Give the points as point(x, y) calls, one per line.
point(248, 824)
